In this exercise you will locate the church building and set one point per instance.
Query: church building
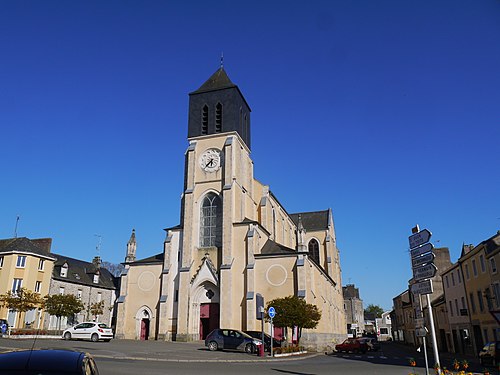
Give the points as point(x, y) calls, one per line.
point(235, 241)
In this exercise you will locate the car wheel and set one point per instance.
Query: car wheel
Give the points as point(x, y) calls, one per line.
point(67, 336)
point(212, 346)
point(94, 337)
point(249, 348)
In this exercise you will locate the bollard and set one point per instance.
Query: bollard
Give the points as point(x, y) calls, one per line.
point(260, 349)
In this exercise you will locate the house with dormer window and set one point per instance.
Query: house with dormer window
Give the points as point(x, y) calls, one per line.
point(89, 282)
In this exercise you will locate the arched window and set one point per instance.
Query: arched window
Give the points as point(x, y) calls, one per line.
point(204, 120)
point(211, 221)
point(218, 118)
point(314, 250)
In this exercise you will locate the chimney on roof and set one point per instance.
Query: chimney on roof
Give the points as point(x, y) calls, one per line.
point(97, 262)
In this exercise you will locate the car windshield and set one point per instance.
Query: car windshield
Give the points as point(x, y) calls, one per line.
point(246, 335)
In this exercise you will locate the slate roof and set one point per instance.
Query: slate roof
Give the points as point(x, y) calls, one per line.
point(219, 80)
point(158, 258)
point(271, 247)
point(36, 246)
point(81, 272)
point(312, 221)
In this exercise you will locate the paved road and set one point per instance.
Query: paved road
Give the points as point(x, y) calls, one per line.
point(158, 357)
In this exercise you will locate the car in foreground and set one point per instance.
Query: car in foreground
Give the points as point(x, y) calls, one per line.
point(220, 339)
point(47, 362)
point(372, 344)
point(267, 339)
point(490, 354)
point(352, 345)
point(93, 331)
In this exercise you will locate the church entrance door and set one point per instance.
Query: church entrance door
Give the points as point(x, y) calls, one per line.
point(145, 329)
point(209, 318)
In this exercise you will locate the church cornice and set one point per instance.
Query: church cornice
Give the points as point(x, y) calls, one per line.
point(221, 135)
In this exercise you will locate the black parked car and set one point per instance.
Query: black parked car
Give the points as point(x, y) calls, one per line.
point(490, 354)
point(231, 339)
point(372, 344)
point(47, 362)
point(267, 339)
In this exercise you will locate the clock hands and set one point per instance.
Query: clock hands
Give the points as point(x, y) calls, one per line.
point(210, 163)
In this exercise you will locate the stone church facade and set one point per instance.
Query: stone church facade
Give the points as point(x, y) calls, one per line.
point(235, 240)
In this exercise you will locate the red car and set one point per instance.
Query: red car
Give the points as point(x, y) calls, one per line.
point(352, 345)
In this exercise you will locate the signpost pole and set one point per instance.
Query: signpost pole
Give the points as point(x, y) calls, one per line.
point(424, 340)
point(261, 350)
point(433, 335)
point(272, 329)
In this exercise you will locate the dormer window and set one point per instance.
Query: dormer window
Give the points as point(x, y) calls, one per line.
point(204, 120)
point(218, 118)
point(64, 270)
point(96, 278)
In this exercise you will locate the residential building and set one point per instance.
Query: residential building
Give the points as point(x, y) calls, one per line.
point(354, 311)
point(384, 326)
point(25, 263)
point(235, 241)
point(479, 287)
point(492, 253)
point(441, 324)
point(88, 282)
point(402, 307)
point(459, 331)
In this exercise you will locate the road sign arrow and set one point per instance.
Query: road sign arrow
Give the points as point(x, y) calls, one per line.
point(424, 272)
point(271, 312)
point(418, 261)
point(421, 250)
point(423, 287)
point(419, 238)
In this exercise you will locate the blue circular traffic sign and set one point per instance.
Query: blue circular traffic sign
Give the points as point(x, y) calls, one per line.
point(271, 312)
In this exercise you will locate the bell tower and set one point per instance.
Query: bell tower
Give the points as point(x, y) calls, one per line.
point(218, 106)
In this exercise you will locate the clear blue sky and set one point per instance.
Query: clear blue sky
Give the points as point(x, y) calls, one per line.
point(388, 112)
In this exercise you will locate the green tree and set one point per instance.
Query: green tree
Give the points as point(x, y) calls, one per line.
point(374, 309)
point(62, 305)
point(21, 301)
point(293, 311)
point(96, 309)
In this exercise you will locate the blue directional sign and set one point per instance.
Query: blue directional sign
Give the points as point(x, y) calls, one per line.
point(271, 312)
point(419, 238)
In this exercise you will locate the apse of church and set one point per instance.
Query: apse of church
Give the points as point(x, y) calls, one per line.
point(234, 240)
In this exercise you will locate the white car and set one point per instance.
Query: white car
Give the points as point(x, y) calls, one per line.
point(93, 331)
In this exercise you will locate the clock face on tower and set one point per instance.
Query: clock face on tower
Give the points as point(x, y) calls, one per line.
point(210, 160)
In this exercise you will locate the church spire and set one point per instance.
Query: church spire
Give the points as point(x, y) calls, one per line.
point(218, 106)
point(131, 248)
